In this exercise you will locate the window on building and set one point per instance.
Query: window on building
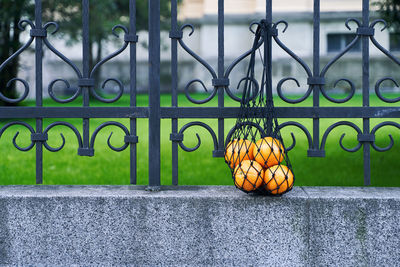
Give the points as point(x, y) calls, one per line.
point(394, 42)
point(338, 41)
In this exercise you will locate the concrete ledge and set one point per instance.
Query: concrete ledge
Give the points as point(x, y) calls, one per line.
point(109, 225)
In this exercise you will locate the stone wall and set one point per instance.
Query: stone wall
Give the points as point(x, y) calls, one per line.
point(197, 226)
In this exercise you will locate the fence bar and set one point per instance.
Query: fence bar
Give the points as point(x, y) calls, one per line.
point(174, 77)
point(154, 93)
point(195, 112)
point(132, 86)
point(268, 49)
point(221, 70)
point(85, 67)
point(39, 89)
point(268, 59)
point(365, 89)
point(316, 71)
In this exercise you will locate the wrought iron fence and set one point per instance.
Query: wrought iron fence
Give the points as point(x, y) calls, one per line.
point(220, 79)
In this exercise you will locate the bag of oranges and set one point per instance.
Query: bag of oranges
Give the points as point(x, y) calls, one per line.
point(254, 150)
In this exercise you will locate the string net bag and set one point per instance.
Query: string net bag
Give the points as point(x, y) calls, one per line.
point(255, 151)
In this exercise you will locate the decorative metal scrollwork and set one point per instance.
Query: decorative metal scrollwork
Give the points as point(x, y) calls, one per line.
point(21, 25)
point(202, 62)
point(203, 125)
point(391, 57)
point(66, 124)
point(212, 71)
point(106, 124)
point(337, 124)
point(58, 53)
point(298, 59)
point(66, 60)
point(378, 90)
point(235, 63)
point(379, 126)
point(78, 90)
point(316, 81)
point(104, 60)
point(301, 127)
point(191, 99)
point(247, 124)
point(14, 141)
point(67, 86)
point(334, 60)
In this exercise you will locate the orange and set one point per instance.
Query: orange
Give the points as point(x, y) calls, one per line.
point(248, 175)
point(238, 150)
point(278, 179)
point(268, 152)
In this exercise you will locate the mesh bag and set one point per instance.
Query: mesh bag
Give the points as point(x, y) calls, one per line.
point(254, 150)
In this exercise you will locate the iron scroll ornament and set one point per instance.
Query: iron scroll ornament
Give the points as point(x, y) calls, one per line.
point(379, 126)
point(42, 32)
point(21, 26)
point(78, 73)
point(274, 34)
point(90, 81)
point(217, 83)
point(191, 124)
point(92, 139)
point(360, 32)
point(311, 80)
point(390, 56)
point(215, 80)
point(14, 140)
point(68, 125)
point(108, 124)
point(108, 58)
point(44, 139)
point(201, 61)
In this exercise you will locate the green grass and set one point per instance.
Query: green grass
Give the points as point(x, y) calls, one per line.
point(339, 168)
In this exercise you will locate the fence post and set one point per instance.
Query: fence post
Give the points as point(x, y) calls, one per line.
point(133, 91)
point(221, 70)
point(39, 89)
point(154, 94)
point(365, 90)
point(174, 83)
point(268, 59)
point(316, 73)
point(85, 150)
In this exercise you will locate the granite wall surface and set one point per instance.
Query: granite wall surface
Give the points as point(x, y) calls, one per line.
point(197, 226)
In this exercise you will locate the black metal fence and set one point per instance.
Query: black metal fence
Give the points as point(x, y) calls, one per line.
point(220, 79)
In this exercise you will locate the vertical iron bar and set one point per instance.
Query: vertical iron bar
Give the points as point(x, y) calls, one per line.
point(316, 70)
point(39, 89)
point(268, 60)
point(132, 61)
point(154, 93)
point(221, 70)
point(174, 74)
point(85, 54)
point(365, 85)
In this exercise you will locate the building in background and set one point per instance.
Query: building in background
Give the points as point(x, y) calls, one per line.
point(334, 37)
point(239, 14)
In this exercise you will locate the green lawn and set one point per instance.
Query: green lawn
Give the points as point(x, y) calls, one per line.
point(338, 168)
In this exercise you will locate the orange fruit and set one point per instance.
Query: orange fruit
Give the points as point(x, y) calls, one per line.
point(278, 179)
point(268, 152)
point(248, 175)
point(238, 150)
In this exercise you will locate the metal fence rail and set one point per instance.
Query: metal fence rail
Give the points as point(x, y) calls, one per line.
point(220, 79)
